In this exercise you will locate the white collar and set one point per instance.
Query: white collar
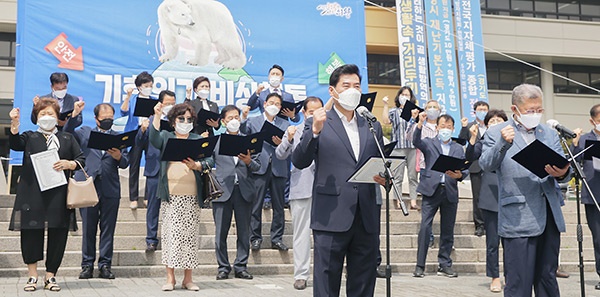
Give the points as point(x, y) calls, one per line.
point(343, 117)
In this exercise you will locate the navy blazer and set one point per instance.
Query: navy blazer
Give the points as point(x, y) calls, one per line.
point(488, 193)
point(68, 104)
point(100, 165)
point(196, 104)
point(258, 101)
point(592, 176)
point(522, 196)
point(430, 179)
point(466, 135)
point(280, 168)
point(152, 166)
point(226, 170)
point(335, 200)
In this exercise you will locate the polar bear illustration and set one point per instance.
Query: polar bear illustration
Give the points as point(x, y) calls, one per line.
point(204, 22)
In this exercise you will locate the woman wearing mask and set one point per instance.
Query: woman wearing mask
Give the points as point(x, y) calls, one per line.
point(202, 90)
point(404, 146)
point(180, 190)
point(34, 210)
point(488, 199)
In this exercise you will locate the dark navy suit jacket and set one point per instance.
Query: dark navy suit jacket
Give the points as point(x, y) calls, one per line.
point(257, 101)
point(430, 179)
point(335, 200)
point(488, 194)
point(68, 104)
point(100, 165)
point(592, 176)
point(280, 168)
point(152, 166)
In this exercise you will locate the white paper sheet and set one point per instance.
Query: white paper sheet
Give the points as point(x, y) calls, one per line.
point(371, 168)
point(47, 177)
point(596, 163)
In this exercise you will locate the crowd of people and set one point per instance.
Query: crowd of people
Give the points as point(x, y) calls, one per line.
point(321, 146)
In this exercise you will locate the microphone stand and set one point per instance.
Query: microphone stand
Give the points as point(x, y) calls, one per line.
point(579, 174)
point(387, 174)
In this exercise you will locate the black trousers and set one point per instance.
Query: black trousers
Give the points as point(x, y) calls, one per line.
point(593, 220)
point(492, 242)
point(135, 157)
point(476, 188)
point(32, 246)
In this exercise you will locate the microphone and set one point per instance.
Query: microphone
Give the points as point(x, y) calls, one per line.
point(566, 132)
point(366, 114)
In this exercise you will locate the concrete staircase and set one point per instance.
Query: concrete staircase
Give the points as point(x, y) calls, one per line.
point(131, 260)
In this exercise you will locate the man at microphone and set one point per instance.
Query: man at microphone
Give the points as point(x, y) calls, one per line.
point(529, 216)
point(345, 216)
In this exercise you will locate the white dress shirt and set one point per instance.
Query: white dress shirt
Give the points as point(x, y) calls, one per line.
point(351, 128)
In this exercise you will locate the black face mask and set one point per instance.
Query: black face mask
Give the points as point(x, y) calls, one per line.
point(106, 124)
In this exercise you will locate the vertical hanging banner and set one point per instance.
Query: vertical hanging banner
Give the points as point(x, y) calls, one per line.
point(103, 45)
point(412, 47)
point(442, 62)
point(471, 58)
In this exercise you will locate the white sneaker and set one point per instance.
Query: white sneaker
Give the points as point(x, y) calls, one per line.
point(133, 205)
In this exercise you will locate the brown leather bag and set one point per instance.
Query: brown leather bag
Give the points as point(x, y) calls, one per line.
point(81, 194)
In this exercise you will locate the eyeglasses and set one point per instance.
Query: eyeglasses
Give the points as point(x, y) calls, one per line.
point(532, 111)
point(184, 119)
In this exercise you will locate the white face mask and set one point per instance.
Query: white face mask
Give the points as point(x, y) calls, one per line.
point(272, 110)
point(146, 91)
point(275, 81)
point(203, 93)
point(596, 125)
point(529, 121)
point(402, 99)
point(432, 114)
point(444, 134)
point(183, 128)
point(47, 123)
point(349, 99)
point(166, 109)
point(233, 126)
point(60, 94)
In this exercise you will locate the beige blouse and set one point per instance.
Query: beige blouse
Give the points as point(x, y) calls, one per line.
point(182, 180)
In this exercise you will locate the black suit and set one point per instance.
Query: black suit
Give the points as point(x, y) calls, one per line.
point(68, 104)
point(104, 169)
point(345, 216)
point(475, 173)
point(200, 128)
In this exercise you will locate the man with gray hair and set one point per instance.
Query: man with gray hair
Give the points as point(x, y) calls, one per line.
point(529, 216)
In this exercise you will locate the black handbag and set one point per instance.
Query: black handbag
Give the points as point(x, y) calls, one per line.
point(212, 188)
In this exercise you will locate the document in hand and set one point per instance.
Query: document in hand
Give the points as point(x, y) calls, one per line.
point(368, 100)
point(407, 111)
point(269, 130)
point(204, 115)
point(445, 163)
point(593, 151)
point(47, 177)
point(295, 106)
point(372, 167)
point(536, 156)
point(389, 148)
point(104, 141)
point(144, 107)
point(181, 149)
point(166, 126)
point(65, 115)
point(233, 145)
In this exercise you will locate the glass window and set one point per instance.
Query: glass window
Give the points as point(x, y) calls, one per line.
point(507, 75)
point(590, 9)
point(568, 7)
point(584, 10)
point(384, 69)
point(588, 75)
point(545, 6)
point(522, 5)
point(498, 4)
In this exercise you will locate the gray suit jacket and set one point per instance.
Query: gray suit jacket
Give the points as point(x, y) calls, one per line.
point(226, 170)
point(592, 176)
point(430, 179)
point(280, 168)
point(301, 180)
point(522, 195)
point(335, 200)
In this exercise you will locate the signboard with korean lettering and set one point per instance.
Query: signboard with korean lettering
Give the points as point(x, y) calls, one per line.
point(412, 48)
point(103, 45)
point(471, 58)
point(443, 74)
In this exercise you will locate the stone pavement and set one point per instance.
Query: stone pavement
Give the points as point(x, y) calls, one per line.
point(278, 285)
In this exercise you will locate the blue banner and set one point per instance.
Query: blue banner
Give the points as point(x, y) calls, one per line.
point(471, 57)
point(442, 62)
point(103, 45)
point(412, 48)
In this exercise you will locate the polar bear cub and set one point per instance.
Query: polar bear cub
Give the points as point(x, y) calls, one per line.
point(204, 22)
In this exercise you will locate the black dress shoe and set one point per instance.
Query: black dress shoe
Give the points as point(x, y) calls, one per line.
point(151, 247)
point(479, 231)
point(279, 246)
point(267, 205)
point(106, 273)
point(255, 245)
point(86, 272)
point(222, 275)
point(597, 287)
point(380, 272)
point(243, 275)
point(419, 272)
